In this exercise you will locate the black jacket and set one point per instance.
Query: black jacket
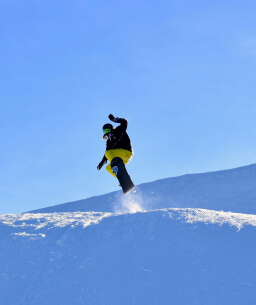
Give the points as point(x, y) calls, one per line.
point(118, 138)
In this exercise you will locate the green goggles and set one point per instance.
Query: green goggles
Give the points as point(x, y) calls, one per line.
point(107, 130)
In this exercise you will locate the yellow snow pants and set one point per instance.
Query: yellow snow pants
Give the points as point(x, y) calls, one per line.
point(124, 154)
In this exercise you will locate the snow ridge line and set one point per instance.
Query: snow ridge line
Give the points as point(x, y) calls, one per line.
point(36, 221)
point(238, 220)
point(50, 220)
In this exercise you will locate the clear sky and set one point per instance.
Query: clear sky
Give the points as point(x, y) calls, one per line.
point(182, 72)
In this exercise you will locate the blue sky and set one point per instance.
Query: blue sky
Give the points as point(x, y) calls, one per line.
point(182, 72)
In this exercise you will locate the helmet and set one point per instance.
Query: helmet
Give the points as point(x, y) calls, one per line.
point(107, 126)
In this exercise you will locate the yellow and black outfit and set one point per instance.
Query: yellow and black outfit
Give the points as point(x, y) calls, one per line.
point(118, 145)
point(126, 155)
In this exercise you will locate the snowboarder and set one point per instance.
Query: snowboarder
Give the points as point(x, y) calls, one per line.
point(118, 143)
point(119, 152)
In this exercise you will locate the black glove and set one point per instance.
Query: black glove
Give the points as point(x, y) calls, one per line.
point(111, 117)
point(101, 164)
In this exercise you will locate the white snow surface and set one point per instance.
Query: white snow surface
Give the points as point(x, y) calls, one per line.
point(37, 221)
point(130, 253)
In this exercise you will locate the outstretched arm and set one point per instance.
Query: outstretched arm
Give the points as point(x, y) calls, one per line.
point(123, 122)
point(102, 162)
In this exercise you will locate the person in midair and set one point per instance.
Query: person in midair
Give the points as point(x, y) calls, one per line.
point(118, 143)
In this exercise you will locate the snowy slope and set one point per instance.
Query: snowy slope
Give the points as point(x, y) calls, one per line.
point(170, 256)
point(167, 243)
point(229, 190)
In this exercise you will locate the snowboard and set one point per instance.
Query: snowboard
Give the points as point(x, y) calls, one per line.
point(123, 177)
